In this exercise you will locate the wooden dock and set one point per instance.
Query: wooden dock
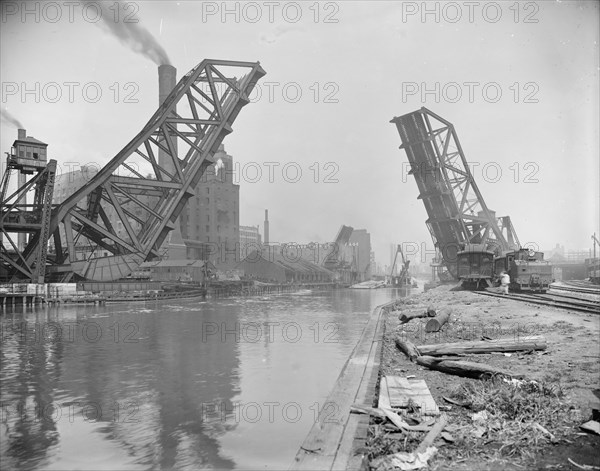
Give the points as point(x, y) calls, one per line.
point(20, 299)
point(333, 439)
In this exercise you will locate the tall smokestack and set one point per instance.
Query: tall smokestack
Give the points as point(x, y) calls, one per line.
point(167, 79)
point(266, 227)
point(21, 134)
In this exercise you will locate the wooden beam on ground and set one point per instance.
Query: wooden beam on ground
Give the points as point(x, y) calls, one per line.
point(462, 368)
point(487, 346)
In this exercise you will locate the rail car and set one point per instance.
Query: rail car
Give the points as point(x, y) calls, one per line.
point(593, 269)
point(527, 269)
point(475, 266)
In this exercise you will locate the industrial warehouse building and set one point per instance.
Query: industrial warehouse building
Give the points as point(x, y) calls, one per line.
point(176, 270)
point(274, 267)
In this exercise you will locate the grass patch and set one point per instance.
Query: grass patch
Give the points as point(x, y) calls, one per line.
point(514, 412)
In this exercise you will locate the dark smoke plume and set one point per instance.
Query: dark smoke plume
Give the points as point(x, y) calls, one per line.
point(128, 30)
point(10, 119)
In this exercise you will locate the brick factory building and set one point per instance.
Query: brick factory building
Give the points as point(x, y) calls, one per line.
point(210, 220)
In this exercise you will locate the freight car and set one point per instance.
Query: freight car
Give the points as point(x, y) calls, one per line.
point(593, 269)
point(527, 269)
point(475, 266)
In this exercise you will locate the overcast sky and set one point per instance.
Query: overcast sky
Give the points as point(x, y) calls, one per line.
point(356, 65)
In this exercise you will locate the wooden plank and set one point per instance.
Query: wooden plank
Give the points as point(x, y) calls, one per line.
point(433, 433)
point(331, 436)
point(402, 390)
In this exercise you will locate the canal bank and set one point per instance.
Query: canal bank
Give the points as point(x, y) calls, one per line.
point(493, 424)
point(335, 436)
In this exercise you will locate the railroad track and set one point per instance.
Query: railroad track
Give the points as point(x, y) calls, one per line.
point(592, 298)
point(576, 286)
point(592, 307)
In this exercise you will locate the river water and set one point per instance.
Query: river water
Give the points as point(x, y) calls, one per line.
point(217, 384)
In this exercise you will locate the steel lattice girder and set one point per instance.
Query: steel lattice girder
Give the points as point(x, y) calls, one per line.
point(457, 212)
point(143, 193)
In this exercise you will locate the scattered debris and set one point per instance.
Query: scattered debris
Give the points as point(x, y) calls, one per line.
point(481, 416)
point(583, 466)
point(545, 432)
point(404, 461)
point(592, 426)
point(456, 403)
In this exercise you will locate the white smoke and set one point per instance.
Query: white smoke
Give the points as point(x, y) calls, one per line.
point(218, 165)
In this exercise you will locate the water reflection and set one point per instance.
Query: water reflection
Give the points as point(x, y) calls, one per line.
point(222, 384)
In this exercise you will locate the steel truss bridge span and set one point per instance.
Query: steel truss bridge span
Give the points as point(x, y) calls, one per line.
point(457, 213)
point(124, 213)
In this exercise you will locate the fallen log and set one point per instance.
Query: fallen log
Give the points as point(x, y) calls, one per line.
point(462, 368)
point(409, 348)
point(435, 324)
point(500, 345)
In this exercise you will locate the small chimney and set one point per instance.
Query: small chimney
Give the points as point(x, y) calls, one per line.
point(21, 134)
point(266, 227)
